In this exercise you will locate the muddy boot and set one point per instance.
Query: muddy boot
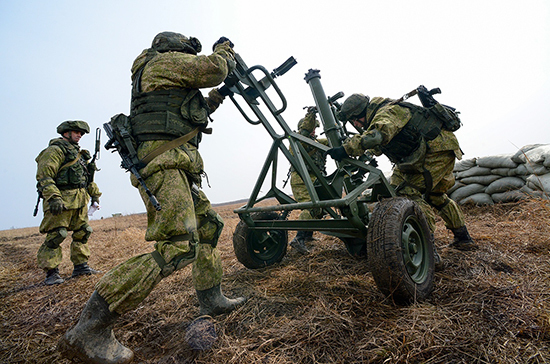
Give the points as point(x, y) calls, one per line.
point(462, 239)
point(82, 269)
point(438, 262)
point(92, 339)
point(309, 237)
point(299, 242)
point(213, 302)
point(53, 277)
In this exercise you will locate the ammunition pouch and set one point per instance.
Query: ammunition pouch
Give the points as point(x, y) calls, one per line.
point(167, 115)
point(413, 163)
point(447, 115)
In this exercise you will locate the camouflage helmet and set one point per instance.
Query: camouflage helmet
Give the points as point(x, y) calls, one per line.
point(307, 124)
point(354, 107)
point(76, 125)
point(170, 41)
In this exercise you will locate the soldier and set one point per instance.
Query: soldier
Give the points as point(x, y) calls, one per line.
point(423, 153)
point(64, 183)
point(166, 104)
point(306, 127)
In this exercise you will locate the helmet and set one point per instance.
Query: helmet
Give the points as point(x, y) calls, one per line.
point(77, 125)
point(354, 107)
point(170, 41)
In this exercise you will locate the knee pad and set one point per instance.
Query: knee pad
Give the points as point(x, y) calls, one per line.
point(178, 262)
point(212, 221)
point(83, 234)
point(56, 237)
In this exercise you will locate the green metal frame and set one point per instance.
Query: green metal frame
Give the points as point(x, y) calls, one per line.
point(341, 194)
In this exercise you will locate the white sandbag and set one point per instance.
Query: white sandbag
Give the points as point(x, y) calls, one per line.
point(477, 199)
point(541, 183)
point(466, 191)
point(505, 184)
point(497, 161)
point(474, 171)
point(504, 172)
point(519, 157)
point(464, 164)
point(509, 196)
point(456, 186)
point(482, 180)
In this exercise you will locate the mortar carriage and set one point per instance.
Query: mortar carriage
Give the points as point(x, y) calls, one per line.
point(361, 208)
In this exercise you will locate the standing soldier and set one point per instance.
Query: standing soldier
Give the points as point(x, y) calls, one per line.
point(306, 127)
point(166, 105)
point(423, 152)
point(64, 183)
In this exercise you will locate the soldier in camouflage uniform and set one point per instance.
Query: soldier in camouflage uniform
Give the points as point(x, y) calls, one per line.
point(166, 104)
point(306, 127)
point(423, 153)
point(64, 184)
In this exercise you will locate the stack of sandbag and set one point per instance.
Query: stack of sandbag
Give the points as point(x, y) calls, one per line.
point(504, 177)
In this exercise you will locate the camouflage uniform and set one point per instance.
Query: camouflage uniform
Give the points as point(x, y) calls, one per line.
point(186, 229)
point(429, 167)
point(57, 179)
point(306, 127)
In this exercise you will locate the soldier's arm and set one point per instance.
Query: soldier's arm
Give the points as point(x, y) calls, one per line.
point(49, 162)
point(93, 191)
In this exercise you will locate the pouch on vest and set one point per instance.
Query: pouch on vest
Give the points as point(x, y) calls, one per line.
point(447, 115)
point(414, 162)
point(194, 109)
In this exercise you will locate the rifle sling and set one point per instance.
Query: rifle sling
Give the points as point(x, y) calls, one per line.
point(170, 145)
point(66, 165)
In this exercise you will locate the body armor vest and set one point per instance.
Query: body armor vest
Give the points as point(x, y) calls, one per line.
point(423, 126)
point(76, 174)
point(166, 114)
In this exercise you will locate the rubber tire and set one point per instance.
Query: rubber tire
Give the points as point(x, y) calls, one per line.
point(396, 221)
point(247, 247)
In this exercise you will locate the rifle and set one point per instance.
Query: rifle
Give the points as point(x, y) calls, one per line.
point(121, 142)
point(92, 167)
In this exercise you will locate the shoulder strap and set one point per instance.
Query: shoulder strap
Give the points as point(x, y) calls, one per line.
point(171, 145)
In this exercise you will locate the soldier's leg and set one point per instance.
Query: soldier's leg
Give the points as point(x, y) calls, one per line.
point(49, 255)
point(207, 268)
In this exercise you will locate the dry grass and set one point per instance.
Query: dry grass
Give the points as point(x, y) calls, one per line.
point(488, 306)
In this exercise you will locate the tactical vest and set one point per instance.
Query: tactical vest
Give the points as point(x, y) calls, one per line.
point(72, 174)
point(423, 126)
point(318, 157)
point(166, 114)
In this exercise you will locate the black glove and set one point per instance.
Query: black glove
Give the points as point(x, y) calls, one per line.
point(337, 153)
point(56, 205)
point(220, 41)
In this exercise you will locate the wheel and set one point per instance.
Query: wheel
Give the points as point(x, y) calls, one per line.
point(259, 248)
point(400, 250)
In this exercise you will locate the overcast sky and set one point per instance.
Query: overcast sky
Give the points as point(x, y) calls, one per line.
point(71, 60)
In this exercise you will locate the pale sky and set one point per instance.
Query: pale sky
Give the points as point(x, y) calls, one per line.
point(71, 60)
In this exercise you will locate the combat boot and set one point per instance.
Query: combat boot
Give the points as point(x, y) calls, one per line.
point(82, 269)
point(299, 242)
point(92, 339)
point(462, 239)
point(213, 302)
point(53, 277)
point(438, 262)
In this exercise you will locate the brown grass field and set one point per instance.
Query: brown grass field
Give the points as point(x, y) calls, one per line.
point(488, 306)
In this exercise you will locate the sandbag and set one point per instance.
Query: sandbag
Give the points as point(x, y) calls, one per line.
point(520, 170)
point(504, 172)
point(482, 180)
point(466, 191)
point(505, 184)
point(537, 169)
point(541, 183)
point(456, 186)
point(509, 196)
point(464, 164)
point(474, 171)
point(519, 157)
point(497, 161)
point(477, 199)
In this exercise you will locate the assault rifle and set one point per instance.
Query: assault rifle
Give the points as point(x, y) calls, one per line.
point(121, 141)
point(92, 167)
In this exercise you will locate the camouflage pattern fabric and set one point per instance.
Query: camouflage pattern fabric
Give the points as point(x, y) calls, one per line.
point(49, 162)
point(439, 161)
point(186, 217)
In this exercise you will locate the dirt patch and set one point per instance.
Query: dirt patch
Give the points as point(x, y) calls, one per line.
point(488, 306)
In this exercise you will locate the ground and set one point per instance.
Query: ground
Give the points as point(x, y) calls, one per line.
point(488, 306)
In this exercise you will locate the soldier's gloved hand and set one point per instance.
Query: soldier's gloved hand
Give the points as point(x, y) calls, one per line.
point(56, 205)
point(222, 40)
point(311, 110)
point(337, 153)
